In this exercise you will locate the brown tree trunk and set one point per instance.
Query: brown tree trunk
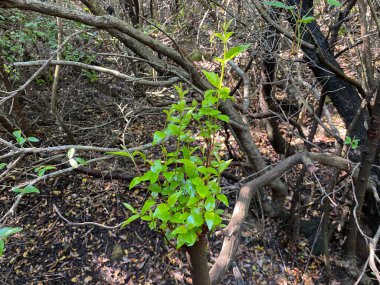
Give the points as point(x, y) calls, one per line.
point(199, 263)
point(369, 153)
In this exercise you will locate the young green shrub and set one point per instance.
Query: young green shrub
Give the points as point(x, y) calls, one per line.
point(184, 184)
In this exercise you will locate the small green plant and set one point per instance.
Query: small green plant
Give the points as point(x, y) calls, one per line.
point(91, 75)
point(21, 139)
point(353, 143)
point(42, 169)
point(5, 233)
point(75, 162)
point(184, 184)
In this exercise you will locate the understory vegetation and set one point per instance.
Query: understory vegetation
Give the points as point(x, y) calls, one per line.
point(189, 142)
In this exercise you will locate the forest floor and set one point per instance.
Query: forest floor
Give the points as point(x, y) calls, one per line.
point(51, 251)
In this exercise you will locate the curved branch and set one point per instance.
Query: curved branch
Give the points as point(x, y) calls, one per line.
point(100, 69)
point(232, 232)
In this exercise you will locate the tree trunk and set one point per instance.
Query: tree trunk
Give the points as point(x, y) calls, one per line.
point(199, 263)
point(369, 153)
point(342, 94)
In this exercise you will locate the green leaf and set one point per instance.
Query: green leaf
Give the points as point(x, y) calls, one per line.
point(210, 203)
point(190, 167)
point(1, 247)
point(17, 134)
point(162, 212)
point(212, 77)
point(172, 129)
point(74, 164)
point(334, 3)
point(210, 218)
point(206, 170)
point(202, 190)
point(188, 238)
point(120, 153)
point(70, 153)
point(179, 230)
point(222, 198)
point(169, 175)
point(147, 205)
point(236, 51)
point(80, 160)
point(307, 19)
point(30, 189)
point(223, 118)
point(135, 181)
point(278, 4)
point(146, 218)
point(347, 141)
point(173, 198)
point(141, 154)
point(177, 218)
point(158, 137)
point(7, 232)
point(2, 165)
point(130, 208)
point(21, 140)
point(223, 165)
point(32, 139)
point(130, 220)
point(195, 218)
point(192, 201)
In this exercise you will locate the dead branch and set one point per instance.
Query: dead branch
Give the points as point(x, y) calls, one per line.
point(70, 223)
point(112, 72)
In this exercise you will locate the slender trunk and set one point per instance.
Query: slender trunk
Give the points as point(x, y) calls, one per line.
point(369, 152)
point(199, 263)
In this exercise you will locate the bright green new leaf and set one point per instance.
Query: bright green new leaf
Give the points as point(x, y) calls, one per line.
point(2, 165)
point(147, 205)
point(162, 212)
point(32, 139)
point(146, 218)
point(347, 141)
point(30, 189)
point(130, 220)
point(223, 118)
point(7, 232)
point(195, 218)
point(278, 4)
point(179, 230)
point(1, 247)
point(222, 198)
point(210, 203)
point(334, 3)
point(202, 190)
point(158, 137)
point(236, 51)
point(130, 208)
point(188, 238)
point(307, 19)
point(173, 198)
point(135, 181)
point(172, 129)
point(80, 160)
point(212, 77)
point(192, 201)
point(210, 219)
point(190, 167)
point(177, 218)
